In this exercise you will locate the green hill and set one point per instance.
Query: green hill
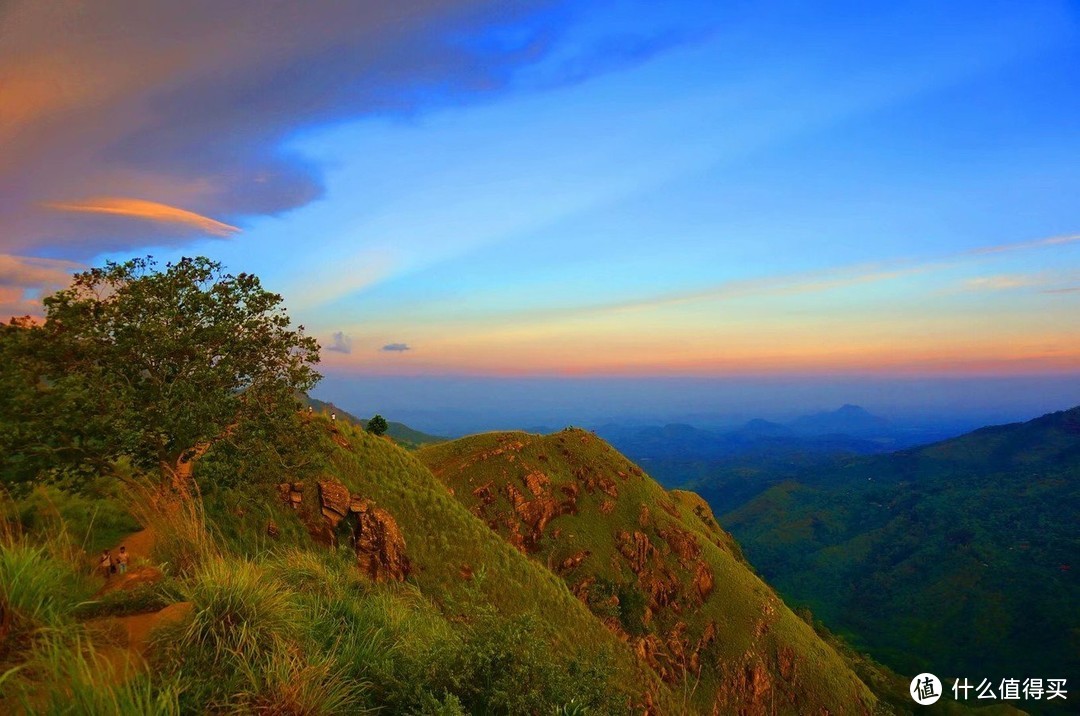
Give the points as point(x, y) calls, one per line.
point(399, 432)
point(443, 615)
point(960, 557)
point(654, 567)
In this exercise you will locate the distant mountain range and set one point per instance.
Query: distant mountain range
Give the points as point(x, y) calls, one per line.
point(849, 429)
point(962, 556)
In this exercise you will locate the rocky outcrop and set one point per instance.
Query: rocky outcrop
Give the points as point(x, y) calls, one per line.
point(380, 546)
point(334, 501)
point(682, 543)
point(376, 537)
point(636, 548)
point(703, 580)
point(291, 493)
point(574, 560)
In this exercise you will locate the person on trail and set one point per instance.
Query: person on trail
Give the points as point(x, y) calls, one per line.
point(122, 560)
point(333, 417)
point(105, 563)
point(310, 410)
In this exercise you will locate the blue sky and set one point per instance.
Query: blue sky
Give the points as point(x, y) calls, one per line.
point(813, 191)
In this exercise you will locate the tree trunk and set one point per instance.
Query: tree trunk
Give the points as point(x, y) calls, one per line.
point(181, 473)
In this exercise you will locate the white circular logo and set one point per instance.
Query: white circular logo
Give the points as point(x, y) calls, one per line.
point(925, 689)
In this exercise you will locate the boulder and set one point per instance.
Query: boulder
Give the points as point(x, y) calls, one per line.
point(380, 546)
point(334, 500)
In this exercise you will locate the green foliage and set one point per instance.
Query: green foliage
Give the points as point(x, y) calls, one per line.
point(157, 366)
point(66, 675)
point(39, 588)
point(507, 667)
point(95, 517)
point(377, 425)
point(615, 501)
point(960, 553)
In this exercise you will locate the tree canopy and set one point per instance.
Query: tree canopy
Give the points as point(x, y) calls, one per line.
point(159, 366)
point(377, 425)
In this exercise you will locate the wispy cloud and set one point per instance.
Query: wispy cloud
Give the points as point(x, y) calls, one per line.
point(819, 281)
point(146, 210)
point(184, 114)
point(340, 343)
point(396, 347)
point(23, 279)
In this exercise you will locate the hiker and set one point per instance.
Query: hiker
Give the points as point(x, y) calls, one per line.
point(122, 560)
point(333, 417)
point(310, 410)
point(105, 564)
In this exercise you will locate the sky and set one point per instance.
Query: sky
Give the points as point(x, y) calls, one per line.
point(603, 208)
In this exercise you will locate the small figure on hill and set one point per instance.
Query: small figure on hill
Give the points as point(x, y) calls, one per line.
point(122, 560)
point(333, 417)
point(310, 410)
point(105, 564)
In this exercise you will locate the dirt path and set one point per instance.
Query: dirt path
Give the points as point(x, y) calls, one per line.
point(133, 634)
point(139, 544)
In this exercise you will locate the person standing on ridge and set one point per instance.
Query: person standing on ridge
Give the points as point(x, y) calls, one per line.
point(122, 560)
point(105, 563)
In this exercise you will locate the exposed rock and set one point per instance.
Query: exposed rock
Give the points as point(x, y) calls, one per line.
point(703, 580)
point(466, 572)
point(644, 516)
point(661, 587)
point(334, 500)
point(607, 507)
point(787, 662)
point(574, 560)
point(537, 512)
point(380, 546)
point(636, 548)
point(291, 493)
point(272, 529)
point(581, 589)
point(682, 543)
point(607, 486)
point(485, 494)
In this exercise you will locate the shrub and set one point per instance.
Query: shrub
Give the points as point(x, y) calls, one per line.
point(243, 621)
point(65, 675)
point(38, 589)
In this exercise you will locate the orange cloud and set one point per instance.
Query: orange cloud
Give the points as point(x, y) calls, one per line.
point(147, 210)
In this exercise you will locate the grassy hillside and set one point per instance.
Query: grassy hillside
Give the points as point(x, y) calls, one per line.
point(654, 566)
point(399, 432)
point(274, 602)
point(960, 557)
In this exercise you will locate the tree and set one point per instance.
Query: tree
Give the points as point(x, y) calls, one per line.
point(158, 366)
point(377, 425)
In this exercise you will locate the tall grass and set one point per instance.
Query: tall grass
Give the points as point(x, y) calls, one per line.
point(66, 675)
point(241, 616)
point(184, 541)
point(38, 590)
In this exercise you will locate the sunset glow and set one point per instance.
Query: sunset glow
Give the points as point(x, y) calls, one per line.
point(628, 191)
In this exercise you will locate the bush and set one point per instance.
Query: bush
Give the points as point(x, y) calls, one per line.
point(65, 675)
point(508, 666)
point(38, 589)
point(243, 622)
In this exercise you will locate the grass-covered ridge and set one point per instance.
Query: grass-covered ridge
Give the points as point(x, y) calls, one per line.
point(959, 555)
point(288, 625)
point(654, 566)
